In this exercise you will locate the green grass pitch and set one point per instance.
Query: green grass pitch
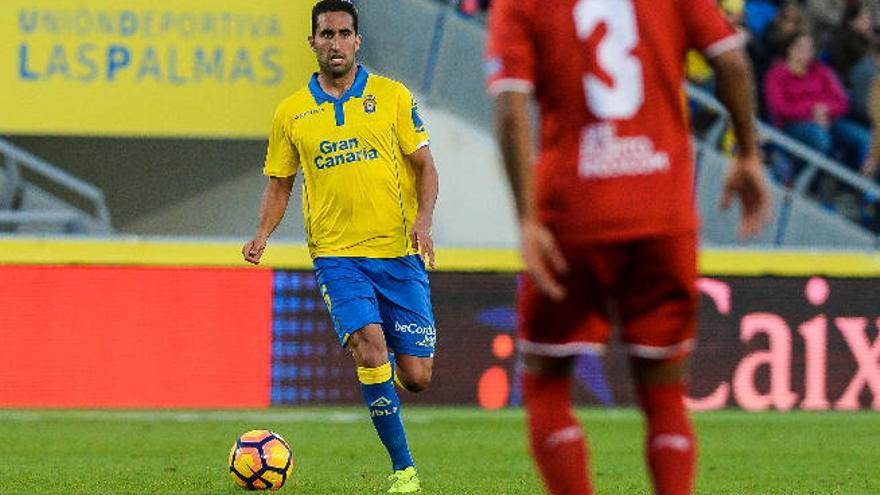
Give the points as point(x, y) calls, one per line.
point(458, 451)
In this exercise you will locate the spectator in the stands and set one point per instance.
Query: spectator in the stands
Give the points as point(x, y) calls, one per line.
point(789, 21)
point(759, 14)
point(850, 52)
point(825, 17)
point(806, 99)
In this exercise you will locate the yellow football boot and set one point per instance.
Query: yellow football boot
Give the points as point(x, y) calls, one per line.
point(405, 481)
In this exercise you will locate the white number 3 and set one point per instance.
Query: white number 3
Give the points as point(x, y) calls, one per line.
point(623, 98)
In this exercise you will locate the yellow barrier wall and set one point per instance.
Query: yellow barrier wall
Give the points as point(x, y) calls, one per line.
point(158, 68)
point(289, 256)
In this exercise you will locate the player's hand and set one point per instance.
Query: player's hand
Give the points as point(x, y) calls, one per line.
point(420, 236)
point(822, 115)
point(746, 182)
point(253, 249)
point(543, 258)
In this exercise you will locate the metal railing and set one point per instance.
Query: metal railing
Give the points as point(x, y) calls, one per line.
point(18, 166)
point(814, 162)
point(811, 162)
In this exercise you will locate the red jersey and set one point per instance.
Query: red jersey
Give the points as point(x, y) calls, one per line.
point(615, 161)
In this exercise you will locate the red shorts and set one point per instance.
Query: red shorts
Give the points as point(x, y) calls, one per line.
point(647, 286)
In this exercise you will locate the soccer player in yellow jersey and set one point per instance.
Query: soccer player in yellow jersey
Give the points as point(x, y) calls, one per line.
point(369, 188)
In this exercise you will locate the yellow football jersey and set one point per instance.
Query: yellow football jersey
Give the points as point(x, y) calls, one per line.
point(359, 190)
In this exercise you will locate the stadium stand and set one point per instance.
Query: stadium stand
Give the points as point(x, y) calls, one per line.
point(36, 196)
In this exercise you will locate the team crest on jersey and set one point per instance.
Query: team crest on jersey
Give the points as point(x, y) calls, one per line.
point(370, 103)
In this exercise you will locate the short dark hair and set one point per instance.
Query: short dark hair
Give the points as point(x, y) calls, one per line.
point(325, 6)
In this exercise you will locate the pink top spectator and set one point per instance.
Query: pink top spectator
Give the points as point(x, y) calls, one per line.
point(791, 98)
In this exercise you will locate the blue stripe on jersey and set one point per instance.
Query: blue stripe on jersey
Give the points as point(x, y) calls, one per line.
point(356, 90)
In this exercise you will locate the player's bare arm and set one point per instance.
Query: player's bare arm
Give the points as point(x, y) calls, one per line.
point(745, 180)
point(428, 184)
point(541, 255)
point(274, 204)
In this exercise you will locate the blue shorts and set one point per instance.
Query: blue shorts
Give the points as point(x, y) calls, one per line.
point(391, 292)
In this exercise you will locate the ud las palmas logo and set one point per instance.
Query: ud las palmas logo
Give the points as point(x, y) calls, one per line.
point(370, 103)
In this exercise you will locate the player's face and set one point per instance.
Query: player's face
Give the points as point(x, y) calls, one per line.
point(335, 43)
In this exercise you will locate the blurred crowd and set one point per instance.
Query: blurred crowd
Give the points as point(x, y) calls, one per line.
point(816, 65)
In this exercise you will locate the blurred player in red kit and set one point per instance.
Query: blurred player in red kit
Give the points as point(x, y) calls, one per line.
point(606, 211)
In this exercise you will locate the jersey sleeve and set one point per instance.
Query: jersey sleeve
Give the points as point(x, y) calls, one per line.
point(412, 133)
point(282, 159)
point(708, 30)
point(510, 49)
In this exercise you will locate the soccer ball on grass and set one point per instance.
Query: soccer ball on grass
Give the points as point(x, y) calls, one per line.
point(260, 460)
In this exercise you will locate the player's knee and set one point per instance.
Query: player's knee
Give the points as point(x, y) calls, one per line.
point(368, 352)
point(416, 381)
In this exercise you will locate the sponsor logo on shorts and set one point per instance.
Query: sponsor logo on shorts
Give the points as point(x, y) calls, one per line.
point(430, 335)
point(413, 328)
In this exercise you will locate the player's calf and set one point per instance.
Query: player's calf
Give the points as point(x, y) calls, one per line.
point(670, 444)
point(556, 439)
point(384, 406)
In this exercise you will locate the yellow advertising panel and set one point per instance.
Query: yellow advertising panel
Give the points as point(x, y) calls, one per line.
point(157, 68)
point(157, 252)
